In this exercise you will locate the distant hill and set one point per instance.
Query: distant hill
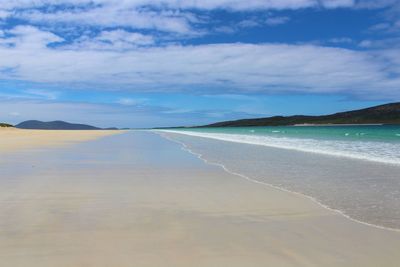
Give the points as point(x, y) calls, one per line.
point(54, 125)
point(383, 114)
point(5, 125)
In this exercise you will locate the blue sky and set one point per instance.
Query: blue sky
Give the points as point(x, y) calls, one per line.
point(144, 63)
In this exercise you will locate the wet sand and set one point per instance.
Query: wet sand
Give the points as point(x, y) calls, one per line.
point(137, 199)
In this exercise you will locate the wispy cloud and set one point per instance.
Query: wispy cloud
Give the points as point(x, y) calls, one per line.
point(208, 5)
point(112, 40)
point(161, 15)
point(28, 38)
point(49, 95)
point(341, 40)
point(131, 101)
point(253, 22)
point(273, 21)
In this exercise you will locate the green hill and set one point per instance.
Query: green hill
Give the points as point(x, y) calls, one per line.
point(383, 114)
point(54, 125)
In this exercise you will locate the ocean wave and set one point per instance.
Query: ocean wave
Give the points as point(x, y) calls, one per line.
point(388, 153)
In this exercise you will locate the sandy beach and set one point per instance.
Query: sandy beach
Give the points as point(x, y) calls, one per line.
point(12, 139)
point(137, 199)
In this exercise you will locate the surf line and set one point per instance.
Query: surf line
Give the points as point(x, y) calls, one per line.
point(337, 154)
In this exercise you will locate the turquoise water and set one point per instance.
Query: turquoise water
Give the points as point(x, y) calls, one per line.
point(377, 133)
point(378, 143)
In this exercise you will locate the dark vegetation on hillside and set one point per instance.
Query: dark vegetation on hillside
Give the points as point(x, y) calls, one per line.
point(383, 114)
point(5, 125)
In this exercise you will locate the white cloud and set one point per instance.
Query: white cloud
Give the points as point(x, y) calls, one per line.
point(232, 68)
point(124, 36)
point(174, 16)
point(341, 40)
point(4, 14)
point(251, 23)
point(130, 101)
point(391, 16)
point(113, 16)
point(273, 21)
point(188, 4)
point(388, 43)
point(338, 3)
point(28, 37)
point(113, 40)
point(380, 27)
point(371, 4)
point(366, 43)
point(269, 21)
point(389, 27)
point(248, 23)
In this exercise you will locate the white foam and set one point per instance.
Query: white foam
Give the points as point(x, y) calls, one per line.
point(388, 153)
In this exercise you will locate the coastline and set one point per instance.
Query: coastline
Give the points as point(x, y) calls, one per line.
point(139, 199)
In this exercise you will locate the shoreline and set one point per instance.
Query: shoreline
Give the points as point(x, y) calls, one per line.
point(313, 199)
point(140, 199)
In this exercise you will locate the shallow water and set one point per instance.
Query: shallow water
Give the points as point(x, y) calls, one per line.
point(373, 143)
point(365, 190)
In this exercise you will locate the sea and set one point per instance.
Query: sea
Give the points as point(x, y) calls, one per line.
point(353, 170)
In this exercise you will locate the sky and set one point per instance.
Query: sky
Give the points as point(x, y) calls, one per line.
point(147, 63)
